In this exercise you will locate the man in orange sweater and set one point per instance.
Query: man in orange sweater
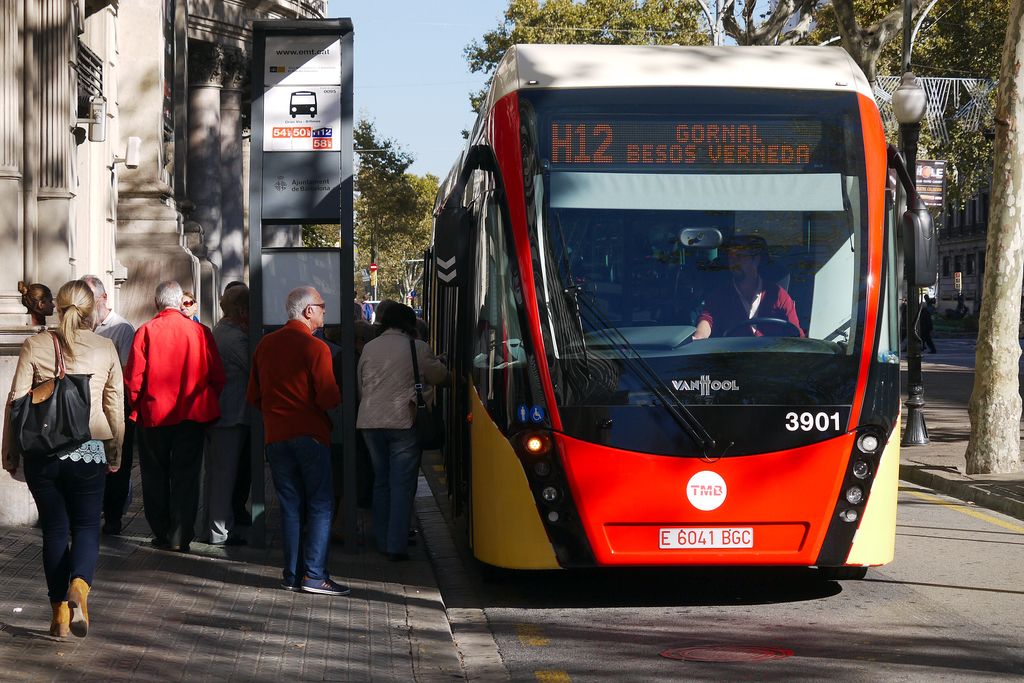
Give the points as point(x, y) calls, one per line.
point(292, 384)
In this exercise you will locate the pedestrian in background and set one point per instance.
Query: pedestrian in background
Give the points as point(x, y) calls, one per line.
point(38, 301)
point(226, 438)
point(68, 485)
point(292, 384)
point(121, 332)
point(387, 415)
point(174, 379)
point(189, 305)
point(926, 324)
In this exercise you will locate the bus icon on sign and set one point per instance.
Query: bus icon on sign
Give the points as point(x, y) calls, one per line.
point(302, 102)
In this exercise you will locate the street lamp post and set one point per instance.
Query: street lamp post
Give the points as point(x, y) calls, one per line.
point(909, 103)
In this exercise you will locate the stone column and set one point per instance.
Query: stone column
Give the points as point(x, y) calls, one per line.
point(231, 248)
point(205, 76)
point(55, 46)
point(11, 151)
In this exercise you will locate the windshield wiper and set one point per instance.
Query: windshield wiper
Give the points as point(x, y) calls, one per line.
point(643, 370)
point(572, 290)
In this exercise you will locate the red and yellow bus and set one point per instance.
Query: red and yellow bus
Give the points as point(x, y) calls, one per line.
point(579, 240)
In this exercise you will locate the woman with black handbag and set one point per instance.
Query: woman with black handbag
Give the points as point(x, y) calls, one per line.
point(66, 465)
point(391, 369)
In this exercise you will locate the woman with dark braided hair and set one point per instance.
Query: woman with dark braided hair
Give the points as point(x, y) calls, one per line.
point(38, 301)
point(68, 485)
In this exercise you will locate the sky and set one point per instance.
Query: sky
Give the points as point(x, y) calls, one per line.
point(411, 78)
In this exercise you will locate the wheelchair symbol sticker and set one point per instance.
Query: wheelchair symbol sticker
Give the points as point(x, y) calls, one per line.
point(536, 414)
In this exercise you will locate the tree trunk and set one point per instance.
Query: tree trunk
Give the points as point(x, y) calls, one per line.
point(995, 406)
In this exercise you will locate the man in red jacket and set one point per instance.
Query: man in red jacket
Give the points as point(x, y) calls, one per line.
point(292, 384)
point(173, 379)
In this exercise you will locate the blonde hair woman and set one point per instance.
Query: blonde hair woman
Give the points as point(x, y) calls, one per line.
point(68, 485)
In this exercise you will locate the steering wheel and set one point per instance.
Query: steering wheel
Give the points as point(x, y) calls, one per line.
point(793, 330)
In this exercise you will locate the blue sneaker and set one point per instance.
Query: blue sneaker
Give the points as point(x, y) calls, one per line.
point(293, 587)
point(324, 587)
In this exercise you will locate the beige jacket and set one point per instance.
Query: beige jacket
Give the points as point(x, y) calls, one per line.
point(94, 355)
point(387, 397)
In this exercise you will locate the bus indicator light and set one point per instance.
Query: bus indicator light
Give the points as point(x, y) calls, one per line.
point(706, 490)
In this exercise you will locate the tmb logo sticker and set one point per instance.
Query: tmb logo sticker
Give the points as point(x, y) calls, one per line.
point(706, 490)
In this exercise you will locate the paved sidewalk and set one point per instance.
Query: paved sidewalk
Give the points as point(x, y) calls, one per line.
point(948, 378)
point(219, 614)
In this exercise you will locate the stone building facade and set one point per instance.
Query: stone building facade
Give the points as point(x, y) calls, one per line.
point(173, 73)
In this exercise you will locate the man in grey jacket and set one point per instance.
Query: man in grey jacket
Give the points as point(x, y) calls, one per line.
point(119, 484)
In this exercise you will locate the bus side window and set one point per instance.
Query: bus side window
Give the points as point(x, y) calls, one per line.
point(498, 354)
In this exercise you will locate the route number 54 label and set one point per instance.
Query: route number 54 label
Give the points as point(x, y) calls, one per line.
point(812, 422)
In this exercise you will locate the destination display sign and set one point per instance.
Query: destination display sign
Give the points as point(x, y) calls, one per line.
point(633, 144)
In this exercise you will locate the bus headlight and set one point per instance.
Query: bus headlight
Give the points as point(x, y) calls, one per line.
point(549, 494)
point(848, 515)
point(542, 468)
point(867, 443)
point(854, 495)
point(861, 469)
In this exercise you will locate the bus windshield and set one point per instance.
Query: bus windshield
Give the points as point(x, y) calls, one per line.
point(714, 236)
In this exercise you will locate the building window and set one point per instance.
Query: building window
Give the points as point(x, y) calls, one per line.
point(90, 78)
point(945, 266)
point(958, 264)
point(970, 264)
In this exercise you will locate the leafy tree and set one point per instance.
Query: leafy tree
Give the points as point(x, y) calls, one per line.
point(594, 22)
point(995, 405)
point(386, 204)
point(958, 38)
point(321, 235)
point(399, 258)
point(866, 28)
point(785, 22)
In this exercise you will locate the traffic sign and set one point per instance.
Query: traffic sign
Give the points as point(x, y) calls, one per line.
point(373, 267)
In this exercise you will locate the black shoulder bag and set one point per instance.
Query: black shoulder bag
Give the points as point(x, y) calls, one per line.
point(54, 415)
point(429, 425)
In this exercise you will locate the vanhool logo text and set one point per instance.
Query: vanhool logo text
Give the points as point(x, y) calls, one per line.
point(705, 385)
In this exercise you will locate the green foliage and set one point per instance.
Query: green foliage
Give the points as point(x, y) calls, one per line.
point(320, 235)
point(393, 210)
point(958, 39)
point(593, 22)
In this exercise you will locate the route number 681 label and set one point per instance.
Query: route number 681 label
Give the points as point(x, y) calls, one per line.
point(812, 422)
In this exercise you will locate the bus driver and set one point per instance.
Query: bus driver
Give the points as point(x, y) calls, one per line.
point(749, 298)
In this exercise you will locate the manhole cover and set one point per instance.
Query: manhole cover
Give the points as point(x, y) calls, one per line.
point(727, 653)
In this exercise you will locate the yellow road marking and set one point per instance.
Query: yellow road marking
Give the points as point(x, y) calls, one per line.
point(968, 511)
point(552, 676)
point(530, 634)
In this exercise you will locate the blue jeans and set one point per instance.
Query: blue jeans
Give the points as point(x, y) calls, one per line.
point(396, 461)
point(301, 468)
point(69, 496)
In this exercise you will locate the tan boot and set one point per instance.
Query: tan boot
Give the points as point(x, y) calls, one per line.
point(77, 595)
point(61, 619)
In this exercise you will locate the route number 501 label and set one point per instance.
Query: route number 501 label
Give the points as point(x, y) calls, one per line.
point(812, 422)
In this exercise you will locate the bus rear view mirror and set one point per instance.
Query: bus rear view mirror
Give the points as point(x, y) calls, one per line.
point(700, 238)
point(921, 246)
point(452, 231)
